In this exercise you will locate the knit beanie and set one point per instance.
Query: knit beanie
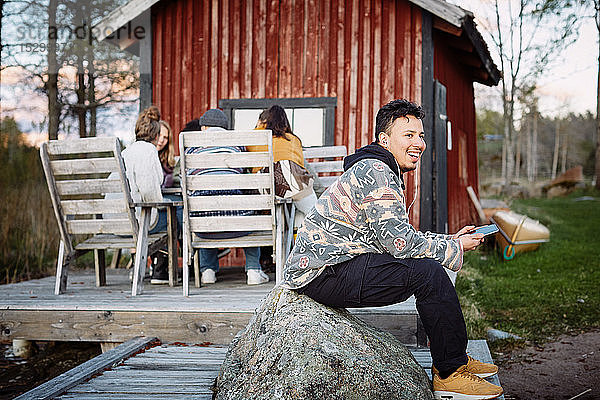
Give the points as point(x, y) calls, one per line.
point(214, 117)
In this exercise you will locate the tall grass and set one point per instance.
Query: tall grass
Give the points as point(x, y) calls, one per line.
point(28, 231)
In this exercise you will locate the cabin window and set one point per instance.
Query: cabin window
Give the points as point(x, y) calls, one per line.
point(311, 119)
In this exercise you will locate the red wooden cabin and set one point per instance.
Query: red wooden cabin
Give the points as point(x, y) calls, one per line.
point(343, 59)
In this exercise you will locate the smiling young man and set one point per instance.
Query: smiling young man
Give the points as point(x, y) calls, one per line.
point(356, 248)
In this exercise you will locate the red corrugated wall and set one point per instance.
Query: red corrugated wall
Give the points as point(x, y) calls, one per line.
point(462, 169)
point(364, 52)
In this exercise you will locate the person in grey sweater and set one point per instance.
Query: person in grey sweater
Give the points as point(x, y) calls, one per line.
point(145, 176)
point(142, 166)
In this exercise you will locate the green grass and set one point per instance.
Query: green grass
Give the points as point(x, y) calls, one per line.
point(541, 294)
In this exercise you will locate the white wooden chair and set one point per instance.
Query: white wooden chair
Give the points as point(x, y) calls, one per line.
point(326, 164)
point(258, 186)
point(79, 173)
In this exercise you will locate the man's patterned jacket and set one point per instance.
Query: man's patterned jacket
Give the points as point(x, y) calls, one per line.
point(364, 211)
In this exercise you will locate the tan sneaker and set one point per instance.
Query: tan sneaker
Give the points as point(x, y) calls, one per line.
point(463, 385)
point(476, 367)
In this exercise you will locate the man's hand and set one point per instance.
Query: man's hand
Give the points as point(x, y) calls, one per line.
point(463, 230)
point(470, 240)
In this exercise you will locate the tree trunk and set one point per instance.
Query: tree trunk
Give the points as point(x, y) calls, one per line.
point(534, 145)
point(529, 150)
point(509, 140)
point(91, 94)
point(54, 109)
point(80, 106)
point(92, 102)
point(503, 173)
point(598, 106)
point(505, 146)
point(518, 158)
point(556, 148)
point(597, 177)
point(564, 147)
point(80, 45)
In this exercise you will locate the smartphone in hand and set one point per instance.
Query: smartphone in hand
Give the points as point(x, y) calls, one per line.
point(485, 229)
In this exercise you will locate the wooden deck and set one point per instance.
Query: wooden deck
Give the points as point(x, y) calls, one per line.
point(213, 313)
point(165, 371)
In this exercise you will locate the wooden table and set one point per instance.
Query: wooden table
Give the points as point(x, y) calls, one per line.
point(171, 190)
point(171, 213)
point(142, 244)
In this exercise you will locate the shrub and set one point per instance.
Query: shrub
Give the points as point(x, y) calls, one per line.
point(29, 235)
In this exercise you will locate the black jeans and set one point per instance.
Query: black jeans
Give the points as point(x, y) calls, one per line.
point(371, 280)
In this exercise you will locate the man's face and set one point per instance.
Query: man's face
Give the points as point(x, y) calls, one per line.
point(406, 141)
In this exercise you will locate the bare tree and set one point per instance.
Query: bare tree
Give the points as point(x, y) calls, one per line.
point(597, 174)
point(51, 83)
point(104, 74)
point(98, 67)
point(23, 6)
point(523, 57)
point(572, 9)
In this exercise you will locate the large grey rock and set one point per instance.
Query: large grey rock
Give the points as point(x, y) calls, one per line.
point(296, 348)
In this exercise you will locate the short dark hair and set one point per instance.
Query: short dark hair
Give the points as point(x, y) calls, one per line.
point(394, 110)
point(193, 125)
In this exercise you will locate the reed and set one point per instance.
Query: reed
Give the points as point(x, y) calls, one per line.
point(28, 235)
point(28, 232)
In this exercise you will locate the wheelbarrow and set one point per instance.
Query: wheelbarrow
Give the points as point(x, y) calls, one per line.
point(517, 233)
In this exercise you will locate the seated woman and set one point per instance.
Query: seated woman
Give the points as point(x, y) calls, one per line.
point(292, 180)
point(142, 166)
point(166, 155)
point(145, 177)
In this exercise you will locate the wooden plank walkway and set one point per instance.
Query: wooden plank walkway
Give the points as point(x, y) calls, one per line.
point(167, 371)
point(213, 313)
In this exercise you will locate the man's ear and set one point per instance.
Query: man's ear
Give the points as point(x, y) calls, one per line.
point(383, 139)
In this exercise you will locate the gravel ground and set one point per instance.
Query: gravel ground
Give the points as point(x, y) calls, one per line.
point(568, 368)
point(49, 360)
